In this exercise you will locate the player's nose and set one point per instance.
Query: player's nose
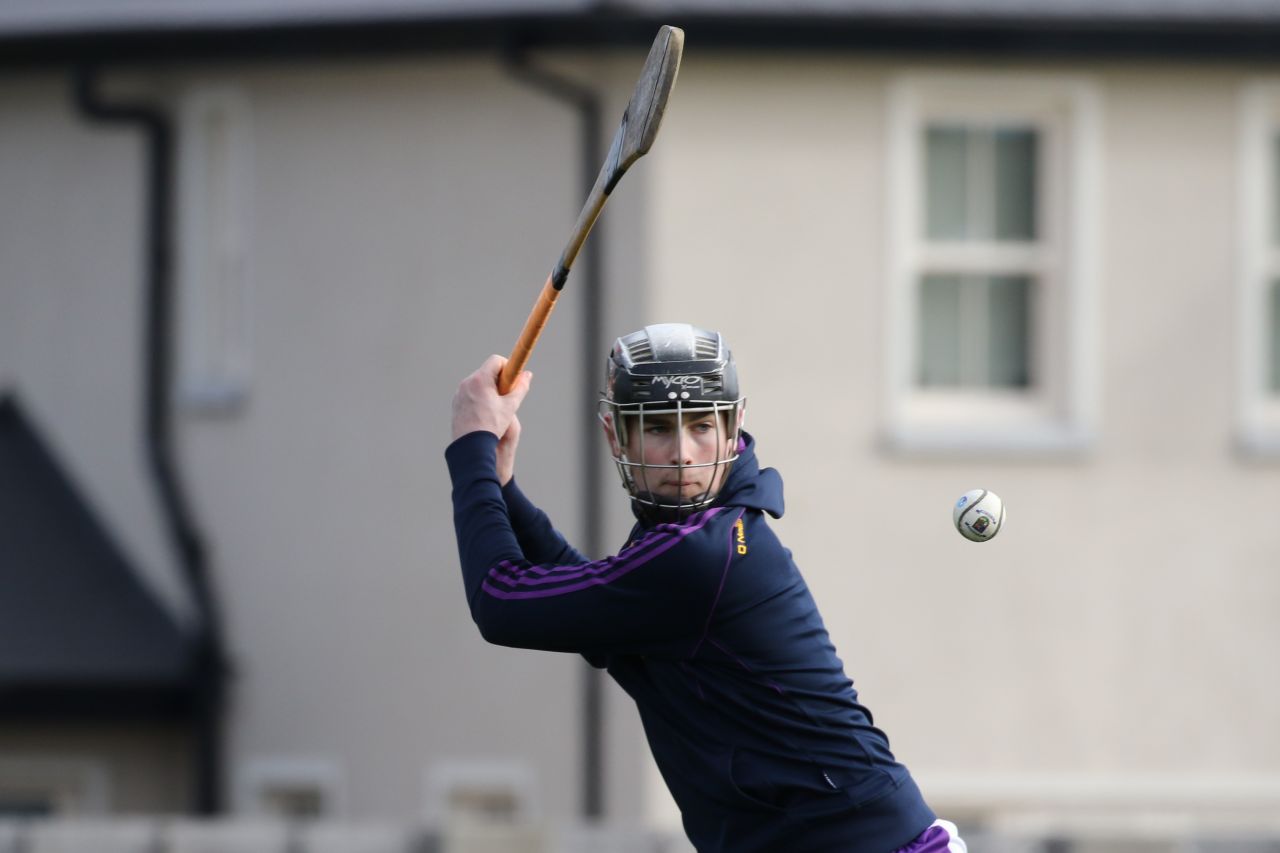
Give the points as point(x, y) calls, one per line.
point(682, 449)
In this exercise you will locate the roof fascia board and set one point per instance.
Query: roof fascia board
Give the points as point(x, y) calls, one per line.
point(1118, 39)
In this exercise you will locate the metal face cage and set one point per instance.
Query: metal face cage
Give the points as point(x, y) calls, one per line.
point(642, 479)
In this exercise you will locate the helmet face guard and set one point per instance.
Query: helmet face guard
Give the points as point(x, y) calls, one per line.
point(679, 383)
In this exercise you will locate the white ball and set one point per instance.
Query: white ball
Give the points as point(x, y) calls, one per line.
point(978, 515)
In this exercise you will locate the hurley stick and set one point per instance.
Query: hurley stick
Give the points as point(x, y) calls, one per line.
point(632, 141)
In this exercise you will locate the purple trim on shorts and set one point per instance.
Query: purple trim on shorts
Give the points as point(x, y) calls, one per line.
point(935, 839)
point(597, 573)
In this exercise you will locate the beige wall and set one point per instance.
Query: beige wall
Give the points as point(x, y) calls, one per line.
point(1123, 626)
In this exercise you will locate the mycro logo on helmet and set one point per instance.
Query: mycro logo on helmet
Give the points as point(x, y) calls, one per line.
point(682, 381)
point(741, 536)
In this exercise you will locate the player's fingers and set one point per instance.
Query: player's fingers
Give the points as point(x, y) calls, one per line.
point(483, 381)
point(520, 389)
point(506, 458)
point(492, 366)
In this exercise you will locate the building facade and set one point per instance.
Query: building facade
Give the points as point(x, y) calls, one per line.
point(1047, 271)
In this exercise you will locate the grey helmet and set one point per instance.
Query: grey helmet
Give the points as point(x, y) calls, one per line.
point(671, 369)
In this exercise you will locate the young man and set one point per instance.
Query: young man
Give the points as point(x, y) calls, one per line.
point(702, 617)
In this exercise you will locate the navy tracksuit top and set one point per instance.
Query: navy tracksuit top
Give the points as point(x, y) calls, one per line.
point(710, 628)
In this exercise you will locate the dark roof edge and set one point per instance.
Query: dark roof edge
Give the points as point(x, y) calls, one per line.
point(98, 703)
point(1118, 38)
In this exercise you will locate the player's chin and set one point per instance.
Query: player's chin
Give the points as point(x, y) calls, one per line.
point(683, 491)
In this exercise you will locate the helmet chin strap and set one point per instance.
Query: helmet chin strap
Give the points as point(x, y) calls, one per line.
point(655, 513)
point(652, 508)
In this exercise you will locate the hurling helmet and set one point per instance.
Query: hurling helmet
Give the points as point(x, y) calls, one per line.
point(672, 379)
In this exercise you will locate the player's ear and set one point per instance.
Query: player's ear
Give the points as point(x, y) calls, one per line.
point(606, 423)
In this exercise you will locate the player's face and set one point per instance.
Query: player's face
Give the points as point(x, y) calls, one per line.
point(683, 441)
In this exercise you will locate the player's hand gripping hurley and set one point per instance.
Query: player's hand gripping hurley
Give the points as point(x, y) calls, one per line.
point(633, 140)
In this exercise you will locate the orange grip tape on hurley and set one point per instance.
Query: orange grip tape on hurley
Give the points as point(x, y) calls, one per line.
point(529, 336)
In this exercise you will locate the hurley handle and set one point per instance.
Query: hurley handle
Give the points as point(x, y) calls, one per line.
point(529, 335)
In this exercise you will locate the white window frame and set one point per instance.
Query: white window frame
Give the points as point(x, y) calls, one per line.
point(215, 195)
point(257, 776)
point(1057, 415)
point(1258, 410)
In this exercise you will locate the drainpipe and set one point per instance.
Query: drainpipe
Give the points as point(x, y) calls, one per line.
point(591, 361)
point(208, 655)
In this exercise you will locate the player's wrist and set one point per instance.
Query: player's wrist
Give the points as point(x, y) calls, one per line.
point(473, 446)
point(466, 426)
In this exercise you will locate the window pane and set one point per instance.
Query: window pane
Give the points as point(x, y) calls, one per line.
point(980, 182)
point(1273, 331)
point(1009, 331)
point(939, 349)
point(1015, 190)
point(975, 331)
point(946, 182)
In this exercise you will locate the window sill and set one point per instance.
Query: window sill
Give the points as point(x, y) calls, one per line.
point(1046, 440)
point(1259, 442)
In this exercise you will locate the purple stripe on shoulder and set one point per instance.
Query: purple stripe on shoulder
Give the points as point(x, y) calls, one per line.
point(602, 571)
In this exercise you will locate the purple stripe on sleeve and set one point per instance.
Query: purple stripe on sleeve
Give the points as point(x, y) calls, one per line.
point(601, 572)
point(513, 573)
